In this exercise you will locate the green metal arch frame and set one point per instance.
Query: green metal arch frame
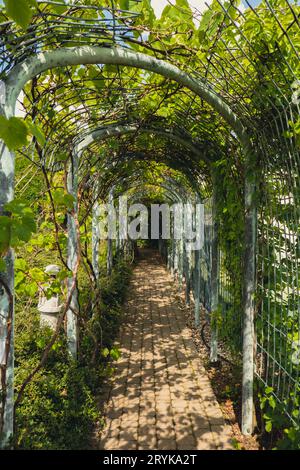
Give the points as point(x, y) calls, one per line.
point(115, 130)
point(139, 155)
point(43, 61)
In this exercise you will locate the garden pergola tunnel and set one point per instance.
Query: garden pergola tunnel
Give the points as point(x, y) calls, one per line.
point(215, 129)
point(36, 65)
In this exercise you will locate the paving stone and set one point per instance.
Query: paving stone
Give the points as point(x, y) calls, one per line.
point(166, 444)
point(222, 436)
point(160, 397)
point(186, 442)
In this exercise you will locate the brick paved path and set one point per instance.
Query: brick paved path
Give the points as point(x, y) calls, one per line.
point(160, 397)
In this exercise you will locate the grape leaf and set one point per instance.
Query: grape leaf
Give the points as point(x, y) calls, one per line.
point(14, 132)
point(20, 11)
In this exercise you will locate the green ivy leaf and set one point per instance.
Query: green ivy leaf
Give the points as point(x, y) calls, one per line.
point(63, 199)
point(51, 113)
point(14, 132)
point(59, 8)
point(19, 278)
point(20, 11)
point(124, 5)
point(30, 289)
point(20, 264)
point(205, 20)
point(18, 227)
point(37, 132)
point(19, 232)
point(62, 157)
point(115, 353)
point(2, 265)
point(268, 426)
point(105, 352)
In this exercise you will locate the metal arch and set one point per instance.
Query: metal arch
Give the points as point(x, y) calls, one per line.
point(185, 259)
point(178, 250)
point(141, 156)
point(95, 230)
point(228, 14)
point(30, 67)
point(117, 130)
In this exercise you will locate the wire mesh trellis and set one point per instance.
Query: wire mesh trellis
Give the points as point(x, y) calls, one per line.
point(259, 82)
point(60, 24)
point(205, 257)
point(278, 301)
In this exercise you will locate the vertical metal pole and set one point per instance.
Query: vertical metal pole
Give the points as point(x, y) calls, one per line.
point(180, 263)
point(123, 226)
point(7, 176)
point(169, 246)
point(187, 274)
point(117, 245)
point(187, 256)
point(181, 253)
point(6, 307)
point(197, 280)
point(109, 261)
point(197, 287)
point(174, 251)
point(214, 277)
point(95, 238)
point(177, 237)
point(117, 233)
point(73, 255)
point(175, 258)
point(249, 292)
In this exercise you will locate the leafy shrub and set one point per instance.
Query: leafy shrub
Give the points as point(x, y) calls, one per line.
point(276, 421)
point(58, 409)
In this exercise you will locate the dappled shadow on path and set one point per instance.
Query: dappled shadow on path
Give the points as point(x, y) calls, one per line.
point(160, 397)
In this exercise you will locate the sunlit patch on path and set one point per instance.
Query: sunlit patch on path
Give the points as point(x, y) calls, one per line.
point(161, 397)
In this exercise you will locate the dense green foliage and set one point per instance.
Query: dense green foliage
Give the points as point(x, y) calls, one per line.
point(251, 59)
point(59, 407)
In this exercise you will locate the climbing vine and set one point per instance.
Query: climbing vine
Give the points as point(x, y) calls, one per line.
point(250, 58)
